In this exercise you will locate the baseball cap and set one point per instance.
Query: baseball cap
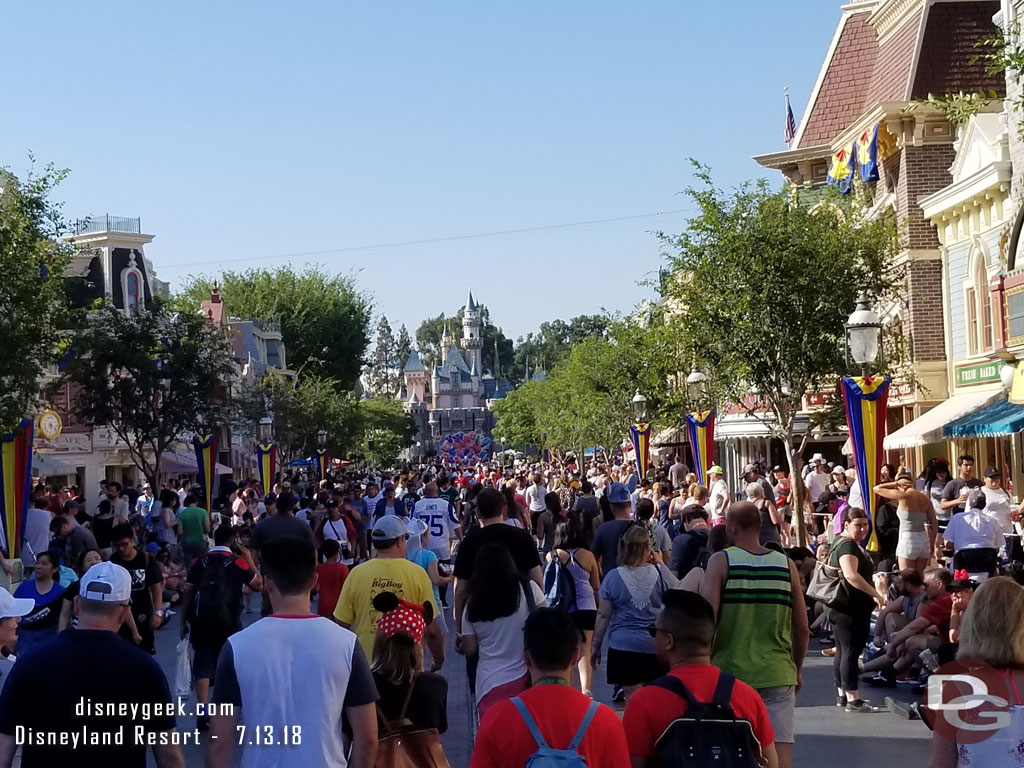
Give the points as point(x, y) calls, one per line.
point(106, 583)
point(779, 468)
point(993, 472)
point(617, 494)
point(11, 606)
point(153, 547)
point(748, 468)
point(716, 470)
point(838, 469)
point(388, 527)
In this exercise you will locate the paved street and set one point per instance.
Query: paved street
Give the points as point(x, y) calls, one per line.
point(864, 741)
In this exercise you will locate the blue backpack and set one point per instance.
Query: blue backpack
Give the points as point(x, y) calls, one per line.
point(548, 757)
point(559, 585)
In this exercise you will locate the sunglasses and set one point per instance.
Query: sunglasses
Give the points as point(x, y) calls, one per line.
point(654, 629)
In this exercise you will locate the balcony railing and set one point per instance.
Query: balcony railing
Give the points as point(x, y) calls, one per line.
point(108, 223)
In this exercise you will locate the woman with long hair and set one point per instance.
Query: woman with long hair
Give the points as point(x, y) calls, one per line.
point(406, 691)
point(515, 515)
point(548, 519)
point(571, 549)
point(630, 598)
point(497, 605)
point(991, 637)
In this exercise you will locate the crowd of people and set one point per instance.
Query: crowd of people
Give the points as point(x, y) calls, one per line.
point(693, 596)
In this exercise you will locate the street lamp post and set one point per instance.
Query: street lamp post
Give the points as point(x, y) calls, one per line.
point(862, 333)
point(266, 452)
point(321, 453)
point(640, 431)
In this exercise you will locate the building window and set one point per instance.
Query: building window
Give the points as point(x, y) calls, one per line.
point(1015, 315)
point(978, 300)
point(986, 319)
point(131, 293)
point(972, 321)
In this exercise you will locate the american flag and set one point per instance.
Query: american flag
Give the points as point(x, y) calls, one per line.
point(790, 132)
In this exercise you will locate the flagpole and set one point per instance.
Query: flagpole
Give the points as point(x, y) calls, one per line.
point(785, 92)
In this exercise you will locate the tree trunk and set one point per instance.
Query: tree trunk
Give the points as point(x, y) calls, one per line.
point(798, 493)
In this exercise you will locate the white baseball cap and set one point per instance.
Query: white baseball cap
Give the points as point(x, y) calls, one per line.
point(106, 583)
point(11, 606)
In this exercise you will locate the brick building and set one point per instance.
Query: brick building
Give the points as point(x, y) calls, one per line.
point(885, 56)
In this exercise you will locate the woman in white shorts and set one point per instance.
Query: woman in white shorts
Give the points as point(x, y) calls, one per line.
point(915, 511)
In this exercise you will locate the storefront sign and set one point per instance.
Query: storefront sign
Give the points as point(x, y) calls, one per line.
point(67, 442)
point(105, 438)
point(1017, 389)
point(981, 373)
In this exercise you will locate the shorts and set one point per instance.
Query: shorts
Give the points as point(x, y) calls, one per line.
point(204, 659)
point(502, 692)
point(632, 668)
point(585, 621)
point(913, 545)
point(780, 701)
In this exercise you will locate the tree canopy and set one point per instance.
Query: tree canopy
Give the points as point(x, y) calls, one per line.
point(552, 342)
point(324, 318)
point(33, 261)
point(385, 430)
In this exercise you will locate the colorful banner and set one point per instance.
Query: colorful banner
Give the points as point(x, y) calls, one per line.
point(640, 435)
point(841, 171)
point(321, 462)
point(206, 460)
point(700, 427)
point(266, 461)
point(866, 147)
point(15, 484)
point(866, 399)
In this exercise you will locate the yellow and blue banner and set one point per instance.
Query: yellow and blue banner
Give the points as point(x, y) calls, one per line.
point(266, 461)
point(867, 399)
point(640, 436)
point(321, 462)
point(866, 147)
point(841, 170)
point(700, 427)
point(206, 460)
point(15, 484)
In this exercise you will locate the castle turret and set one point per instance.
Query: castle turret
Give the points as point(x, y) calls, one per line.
point(446, 341)
point(472, 341)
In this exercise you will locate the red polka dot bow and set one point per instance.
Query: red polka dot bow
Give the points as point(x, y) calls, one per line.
point(407, 618)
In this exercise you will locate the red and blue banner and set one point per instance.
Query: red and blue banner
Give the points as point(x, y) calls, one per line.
point(867, 402)
point(266, 462)
point(321, 462)
point(206, 461)
point(15, 484)
point(640, 436)
point(700, 427)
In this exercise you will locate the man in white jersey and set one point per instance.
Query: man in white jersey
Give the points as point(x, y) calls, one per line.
point(439, 515)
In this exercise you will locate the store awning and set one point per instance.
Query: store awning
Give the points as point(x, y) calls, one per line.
point(927, 428)
point(997, 420)
point(184, 463)
point(48, 466)
point(669, 436)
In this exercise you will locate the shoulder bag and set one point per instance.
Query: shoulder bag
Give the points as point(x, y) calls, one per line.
point(404, 745)
point(829, 586)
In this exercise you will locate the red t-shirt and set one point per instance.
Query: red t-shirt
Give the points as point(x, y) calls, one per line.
point(329, 578)
point(651, 709)
point(505, 742)
point(937, 612)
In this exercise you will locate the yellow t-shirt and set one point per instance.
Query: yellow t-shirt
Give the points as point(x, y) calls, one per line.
point(355, 607)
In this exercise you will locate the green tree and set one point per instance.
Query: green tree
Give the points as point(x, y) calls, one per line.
point(324, 318)
point(755, 313)
point(552, 343)
point(151, 377)
point(300, 407)
point(403, 347)
point(33, 261)
point(497, 353)
point(383, 369)
point(386, 430)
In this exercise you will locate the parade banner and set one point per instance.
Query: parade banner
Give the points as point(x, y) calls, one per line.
point(866, 399)
point(640, 435)
point(321, 462)
point(206, 460)
point(15, 484)
point(266, 461)
point(841, 170)
point(866, 148)
point(700, 427)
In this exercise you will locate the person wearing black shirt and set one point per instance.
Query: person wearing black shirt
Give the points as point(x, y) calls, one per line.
point(147, 586)
point(606, 540)
point(954, 495)
point(282, 524)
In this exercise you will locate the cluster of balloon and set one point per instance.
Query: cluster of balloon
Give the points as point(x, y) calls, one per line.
point(465, 447)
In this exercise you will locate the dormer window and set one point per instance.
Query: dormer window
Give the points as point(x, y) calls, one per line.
point(132, 288)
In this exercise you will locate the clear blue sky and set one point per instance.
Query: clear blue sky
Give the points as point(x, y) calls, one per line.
point(238, 131)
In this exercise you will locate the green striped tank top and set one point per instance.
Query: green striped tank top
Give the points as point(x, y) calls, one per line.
point(754, 637)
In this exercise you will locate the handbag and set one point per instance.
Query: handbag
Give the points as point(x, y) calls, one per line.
point(404, 745)
point(828, 586)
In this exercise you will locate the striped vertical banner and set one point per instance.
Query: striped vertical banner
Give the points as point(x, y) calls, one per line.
point(640, 435)
point(206, 460)
point(866, 399)
point(266, 461)
point(700, 427)
point(15, 484)
point(321, 462)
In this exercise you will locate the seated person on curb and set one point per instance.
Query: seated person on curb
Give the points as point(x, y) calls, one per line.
point(683, 636)
point(928, 630)
point(551, 643)
point(897, 613)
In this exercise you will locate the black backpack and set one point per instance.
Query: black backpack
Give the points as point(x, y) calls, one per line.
point(559, 584)
point(708, 733)
point(211, 611)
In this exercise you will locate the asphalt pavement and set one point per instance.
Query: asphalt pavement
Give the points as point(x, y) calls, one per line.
point(824, 733)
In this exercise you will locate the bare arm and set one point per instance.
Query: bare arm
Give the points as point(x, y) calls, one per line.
point(537, 575)
point(773, 512)
point(944, 753)
point(460, 604)
point(771, 757)
point(435, 575)
point(714, 579)
point(801, 634)
point(363, 720)
point(67, 613)
point(7, 748)
point(933, 524)
point(435, 644)
point(168, 755)
point(604, 616)
point(220, 744)
point(889, 491)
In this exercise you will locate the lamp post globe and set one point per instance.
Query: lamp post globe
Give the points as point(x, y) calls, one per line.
point(265, 429)
point(639, 407)
point(321, 438)
point(695, 383)
point(862, 334)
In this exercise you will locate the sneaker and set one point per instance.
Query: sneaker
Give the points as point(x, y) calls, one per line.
point(618, 694)
point(860, 705)
point(929, 659)
point(902, 708)
point(879, 680)
point(841, 701)
point(906, 679)
point(918, 710)
point(830, 652)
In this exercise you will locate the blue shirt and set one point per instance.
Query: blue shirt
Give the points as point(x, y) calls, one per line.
point(423, 558)
point(627, 630)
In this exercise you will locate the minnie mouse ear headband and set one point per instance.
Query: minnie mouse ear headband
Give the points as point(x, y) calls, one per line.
point(401, 617)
